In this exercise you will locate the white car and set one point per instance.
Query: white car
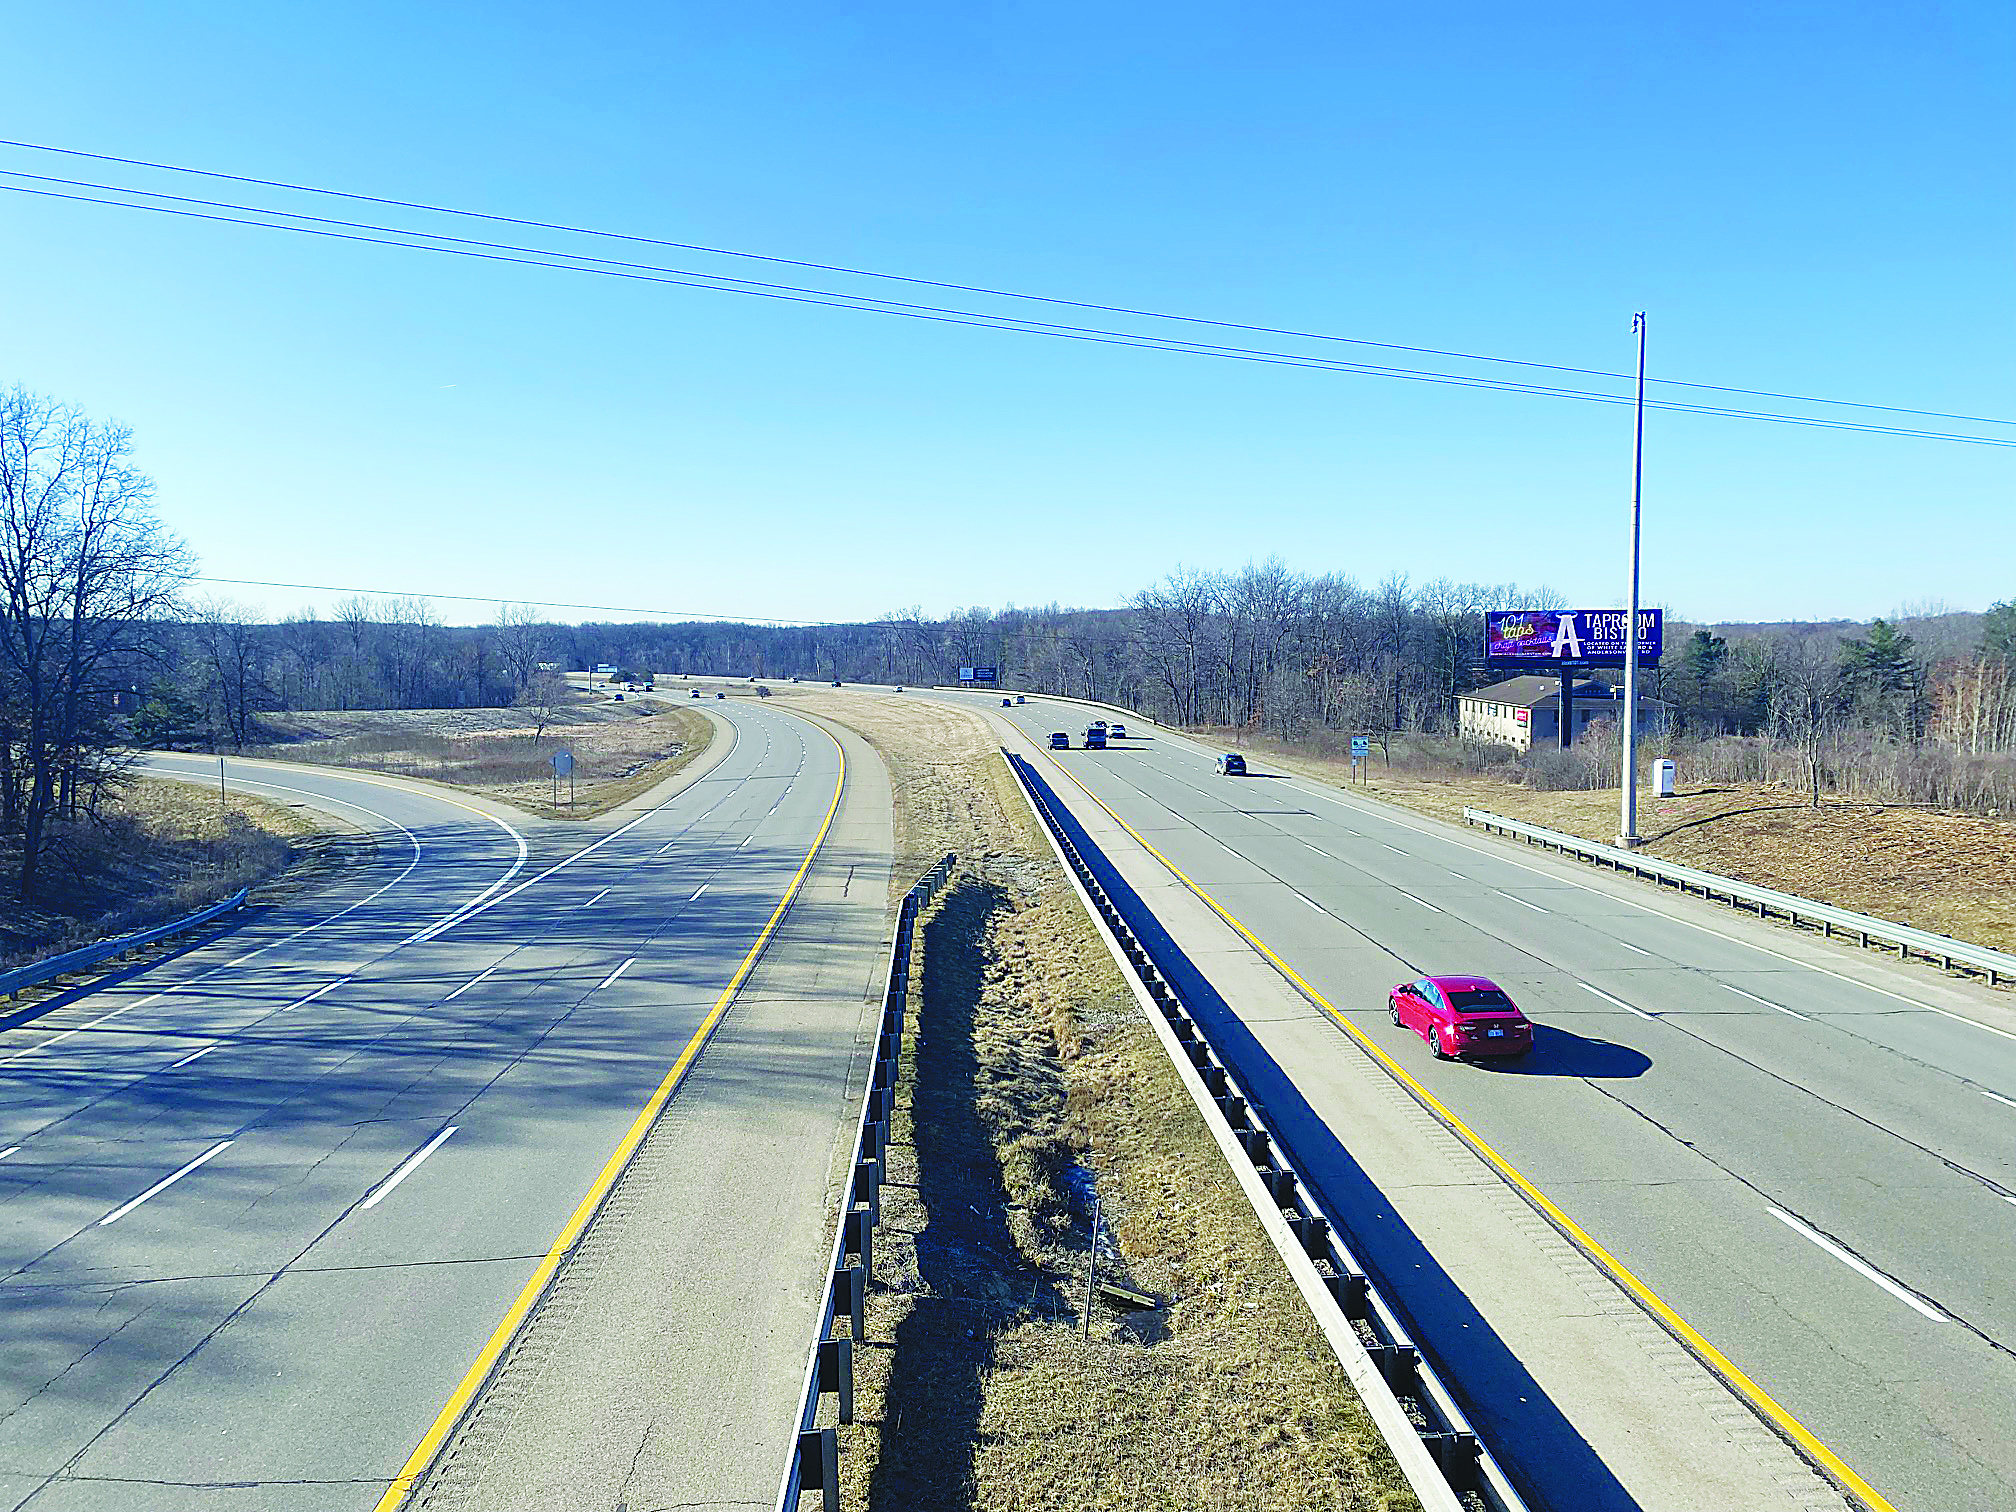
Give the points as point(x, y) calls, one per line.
point(1116, 732)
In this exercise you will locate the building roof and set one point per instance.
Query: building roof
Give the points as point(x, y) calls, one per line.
point(1531, 692)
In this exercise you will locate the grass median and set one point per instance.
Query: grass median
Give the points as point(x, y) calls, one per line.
point(1032, 1089)
point(618, 750)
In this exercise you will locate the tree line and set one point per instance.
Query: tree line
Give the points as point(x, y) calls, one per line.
point(102, 646)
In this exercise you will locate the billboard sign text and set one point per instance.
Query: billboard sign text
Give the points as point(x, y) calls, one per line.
point(1586, 637)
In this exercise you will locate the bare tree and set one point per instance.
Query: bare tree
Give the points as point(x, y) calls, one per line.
point(85, 572)
point(1805, 701)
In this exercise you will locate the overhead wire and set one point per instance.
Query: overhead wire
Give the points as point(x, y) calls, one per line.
point(997, 293)
point(502, 252)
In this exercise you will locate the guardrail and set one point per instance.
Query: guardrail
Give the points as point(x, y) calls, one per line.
point(1447, 1465)
point(14, 982)
point(814, 1464)
point(1863, 928)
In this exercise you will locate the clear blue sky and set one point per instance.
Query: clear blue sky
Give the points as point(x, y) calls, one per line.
point(1811, 198)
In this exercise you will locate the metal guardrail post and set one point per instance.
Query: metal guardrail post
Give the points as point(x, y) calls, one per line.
point(1429, 1433)
point(1995, 965)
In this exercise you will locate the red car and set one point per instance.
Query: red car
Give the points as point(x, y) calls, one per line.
point(1461, 1015)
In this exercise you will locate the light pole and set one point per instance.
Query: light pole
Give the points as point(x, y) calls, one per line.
point(1627, 834)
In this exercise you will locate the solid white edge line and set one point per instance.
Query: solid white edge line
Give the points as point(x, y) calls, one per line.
point(1313, 789)
point(598, 897)
point(165, 1182)
point(2009, 1101)
point(385, 1187)
point(1618, 1002)
point(1861, 1267)
point(198, 1055)
point(627, 964)
point(471, 982)
point(1422, 901)
point(1519, 900)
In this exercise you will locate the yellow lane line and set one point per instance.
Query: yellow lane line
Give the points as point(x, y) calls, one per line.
point(500, 1338)
point(1720, 1363)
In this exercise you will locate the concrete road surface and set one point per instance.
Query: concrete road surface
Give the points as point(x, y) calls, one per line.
point(1808, 1153)
point(262, 1203)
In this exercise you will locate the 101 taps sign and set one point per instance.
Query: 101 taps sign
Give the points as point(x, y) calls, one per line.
point(1584, 637)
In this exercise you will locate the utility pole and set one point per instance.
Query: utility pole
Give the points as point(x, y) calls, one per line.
point(1627, 834)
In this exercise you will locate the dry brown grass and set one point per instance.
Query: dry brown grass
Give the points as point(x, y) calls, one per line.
point(158, 850)
point(1951, 873)
point(620, 750)
point(1029, 1066)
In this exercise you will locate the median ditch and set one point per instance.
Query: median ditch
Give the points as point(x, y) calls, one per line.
point(1032, 1095)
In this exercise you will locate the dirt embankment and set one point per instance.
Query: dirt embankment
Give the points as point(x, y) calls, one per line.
point(1031, 1086)
point(1951, 873)
point(618, 750)
point(162, 849)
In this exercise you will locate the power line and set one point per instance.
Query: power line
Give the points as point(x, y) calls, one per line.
point(964, 288)
point(668, 615)
point(794, 294)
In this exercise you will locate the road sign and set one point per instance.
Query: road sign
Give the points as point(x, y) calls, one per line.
point(563, 763)
point(1361, 745)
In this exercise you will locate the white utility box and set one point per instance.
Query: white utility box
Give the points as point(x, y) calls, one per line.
point(1662, 778)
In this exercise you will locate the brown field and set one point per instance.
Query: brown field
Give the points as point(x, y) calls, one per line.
point(163, 849)
point(620, 750)
point(1030, 1084)
point(1951, 873)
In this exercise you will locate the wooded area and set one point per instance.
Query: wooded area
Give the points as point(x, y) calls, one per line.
point(101, 646)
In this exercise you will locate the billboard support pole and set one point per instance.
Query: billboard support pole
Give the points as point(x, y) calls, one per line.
point(1627, 834)
point(1566, 720)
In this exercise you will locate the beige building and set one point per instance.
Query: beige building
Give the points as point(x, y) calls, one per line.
point(1522, 712)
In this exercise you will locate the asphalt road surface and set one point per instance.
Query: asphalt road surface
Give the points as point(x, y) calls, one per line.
point(1810, 1155)
point(261, 1203)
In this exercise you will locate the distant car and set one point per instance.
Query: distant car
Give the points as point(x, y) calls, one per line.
point(619, 698)
point(1059, 741)
point(1007, 703)
point(1020, 699)
point(1095, 738)
point(696, 692)
point(720, 695)
point(1232, 764)
point(1117, 732)
point(650, 687)
point(899, 687)
point(1461, 1015)
point(836, 682)
point(1098, 724)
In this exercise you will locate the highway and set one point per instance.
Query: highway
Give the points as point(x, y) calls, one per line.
point(261, 1203)
point(1810, 1155)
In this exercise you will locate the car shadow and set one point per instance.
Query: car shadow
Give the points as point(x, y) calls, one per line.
point(1547, 1458)
point(1562, 1052)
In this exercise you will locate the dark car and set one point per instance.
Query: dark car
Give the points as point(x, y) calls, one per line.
point(619, 698)
point(1232, 764)
point(696, 692)
point(1007, 703)
point(1461, 1015)
point(720, 695)
point(1060, 740)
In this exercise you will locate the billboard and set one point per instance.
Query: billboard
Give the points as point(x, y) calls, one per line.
point(1525, 638)
point(979, 674)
